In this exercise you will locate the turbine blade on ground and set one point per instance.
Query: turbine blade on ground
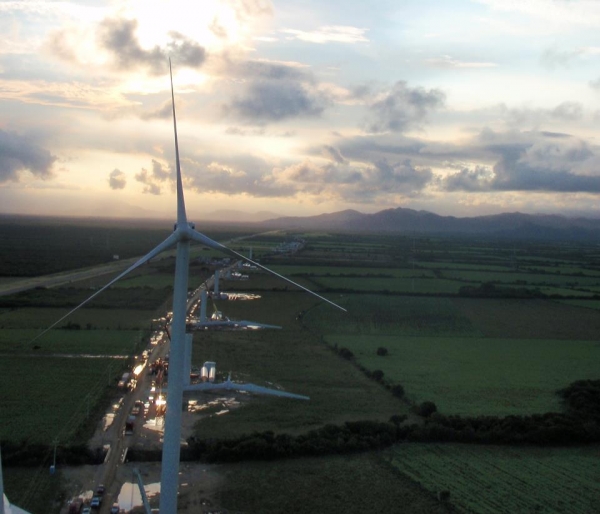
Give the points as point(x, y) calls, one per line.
point(250, 388)
point(207, 241)
point(166, 244)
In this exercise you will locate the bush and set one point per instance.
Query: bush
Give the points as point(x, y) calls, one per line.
point(377, 375)
point(398, 391)
point(426, 409)
point(345, 353)
point(381, 351)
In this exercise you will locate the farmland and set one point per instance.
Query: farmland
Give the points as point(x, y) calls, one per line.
point(497, 480)
point(478, 327)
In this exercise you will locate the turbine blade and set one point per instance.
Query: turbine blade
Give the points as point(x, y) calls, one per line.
point(167, 243)
point(181, 216)
point(207, 241)
point(250, 388)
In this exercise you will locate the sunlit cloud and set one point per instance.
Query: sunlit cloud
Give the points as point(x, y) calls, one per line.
point(329, 34)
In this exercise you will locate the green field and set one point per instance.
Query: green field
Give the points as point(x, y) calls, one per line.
point(49, 397)
point(107, 319)
point(469, 356)
point(89, 342)
point(351, 484)
point(294, 360)
point(503, 480)
point(395, 285)
point(477, 376)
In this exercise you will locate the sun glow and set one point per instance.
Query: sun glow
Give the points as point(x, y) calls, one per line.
point(213, 25)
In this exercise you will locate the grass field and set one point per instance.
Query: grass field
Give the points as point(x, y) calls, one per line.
point(295, 360)
point(502, 480)
point(469, 356)
point(477, 376)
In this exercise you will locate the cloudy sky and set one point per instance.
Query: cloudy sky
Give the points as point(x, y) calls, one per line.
point(461, 107)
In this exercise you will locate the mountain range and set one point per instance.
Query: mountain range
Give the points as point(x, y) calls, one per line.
point(401, 220)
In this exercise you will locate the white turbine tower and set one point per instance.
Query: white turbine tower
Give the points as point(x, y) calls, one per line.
point(184, 233)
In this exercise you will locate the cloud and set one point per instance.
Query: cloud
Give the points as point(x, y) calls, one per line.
point(329, 34)
point(446, 61)
point(19, 154)
point(477, 179)
point(534, 161)
point(118, 36)
point(268, 101)
point(519, 117)
point(403, 108)
point(333, 154)
point(165, 111)
point(553, 58)
point(117, 180)
point(153, 180)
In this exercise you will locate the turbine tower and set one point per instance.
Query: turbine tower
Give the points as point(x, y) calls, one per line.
point(184, 233)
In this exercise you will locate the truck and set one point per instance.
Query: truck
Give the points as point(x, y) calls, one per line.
point(129, 425)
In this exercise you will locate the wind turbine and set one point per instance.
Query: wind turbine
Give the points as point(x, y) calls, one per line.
point(184, 233)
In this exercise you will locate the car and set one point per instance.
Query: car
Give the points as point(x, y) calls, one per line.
point(95, 503)
point(115, 509)
point(86, 510)
point(100, 490)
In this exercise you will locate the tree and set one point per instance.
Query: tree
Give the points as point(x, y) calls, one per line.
point(398, 391)
point(377, 375)
point(426, 409)
point(381, 351)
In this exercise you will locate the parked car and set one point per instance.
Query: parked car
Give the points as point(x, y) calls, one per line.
point(95, 503)
point(115, 509)
point(86, 510)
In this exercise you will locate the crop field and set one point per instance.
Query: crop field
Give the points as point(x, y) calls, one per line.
point(355, 271)
point(395, 285)
point(450, 265)
point(98, 318)
point(392, 315)
point(523, 278)
point(350, 484)
point(88, 342)
point(501, 480)
point(30, 412)
point(293, 359)
point(588, 304)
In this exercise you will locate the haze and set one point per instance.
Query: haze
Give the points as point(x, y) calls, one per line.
point(298, 108)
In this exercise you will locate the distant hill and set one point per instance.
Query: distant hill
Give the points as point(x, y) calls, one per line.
point(228, 215)
point(401, 220)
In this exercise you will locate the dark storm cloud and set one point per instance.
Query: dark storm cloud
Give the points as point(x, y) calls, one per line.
point(403, 108)
point(118, 36)
point(18, 153)
point(117, 179)
point(268, 101)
